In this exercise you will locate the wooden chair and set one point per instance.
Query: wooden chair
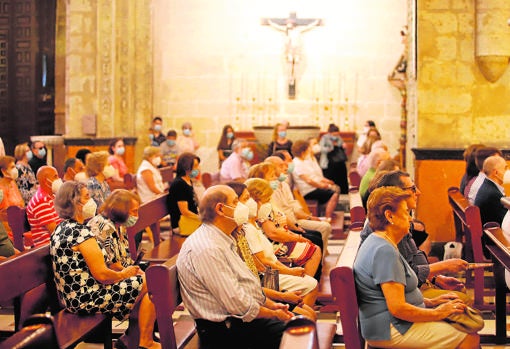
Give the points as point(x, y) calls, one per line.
point(17, 219)
point(468, 230)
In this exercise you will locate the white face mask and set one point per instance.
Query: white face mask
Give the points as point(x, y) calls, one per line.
point(12, 173)
point(265, 210)
point(366, 129)
point(506, 177)
point(156, 161)
point(55, 185)
point(131, 221)
point(252, 206)
point(241, 212)
point(316, 148)
point(81, 177)
point(89, 209)
point(109, 171)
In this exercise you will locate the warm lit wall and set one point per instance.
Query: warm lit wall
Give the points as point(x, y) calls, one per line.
point(456, 105)
point(215, 64)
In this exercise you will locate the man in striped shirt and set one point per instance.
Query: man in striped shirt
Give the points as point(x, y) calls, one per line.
point(222, 295)
point(41, 212)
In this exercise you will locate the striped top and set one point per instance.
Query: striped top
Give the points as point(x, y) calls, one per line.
point(41, 212)
point(215, 282)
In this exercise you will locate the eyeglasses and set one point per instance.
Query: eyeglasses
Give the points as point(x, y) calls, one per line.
point(413, 188)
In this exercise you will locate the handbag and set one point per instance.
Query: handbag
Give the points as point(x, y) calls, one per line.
point(337, 155)
point(188, 225)
point(470, 321)
point(271, 279)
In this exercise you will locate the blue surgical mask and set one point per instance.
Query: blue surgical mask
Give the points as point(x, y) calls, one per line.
point(282, 134)
point(42, 152)
point(120, 151)
point(157, 128)
point(194, 173)
point(30, 155)
point(230, 135)
point(282, 177)
point(274, 184)
point(290, 169)
point(247, 154)
point(170, 142)
point(186, 132)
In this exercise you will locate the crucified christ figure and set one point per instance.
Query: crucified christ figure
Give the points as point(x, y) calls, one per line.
point(293, 27)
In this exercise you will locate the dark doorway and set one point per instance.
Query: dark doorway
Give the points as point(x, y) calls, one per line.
point(27, 70)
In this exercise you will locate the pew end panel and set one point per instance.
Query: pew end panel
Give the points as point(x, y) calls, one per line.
point(163, 286)
point(17, 219)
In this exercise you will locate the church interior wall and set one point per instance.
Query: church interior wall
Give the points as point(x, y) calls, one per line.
point(215, 64)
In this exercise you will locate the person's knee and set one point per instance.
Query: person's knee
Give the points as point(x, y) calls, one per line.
point(472, 341)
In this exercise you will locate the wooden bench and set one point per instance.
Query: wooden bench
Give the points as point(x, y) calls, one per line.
point(468, 230)
point(130, 181)
point(357, 210)
point(301, 333)
point(17, 219)
point(149, 215)
point(38, 332)
point(163, 286)
point(354, 177)
point(167, 173)
point(344, 291)
point(31, 289)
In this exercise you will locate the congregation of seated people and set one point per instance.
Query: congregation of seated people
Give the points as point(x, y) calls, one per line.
point(236, 230)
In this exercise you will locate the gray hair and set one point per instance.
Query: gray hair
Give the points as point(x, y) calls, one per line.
point(67, 198)
point(212, 196)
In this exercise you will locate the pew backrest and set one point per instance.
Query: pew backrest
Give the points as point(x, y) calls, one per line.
point(356, 208)
point(149, 215)
point(354, 177)
point(167, 173)
point(17, 219)
point(163, 286)
point(468, 225)
point(505, 201)
point(130, 181)
point(300, 333)
point(343, 288)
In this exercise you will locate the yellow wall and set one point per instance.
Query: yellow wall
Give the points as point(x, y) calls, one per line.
point(457, 106)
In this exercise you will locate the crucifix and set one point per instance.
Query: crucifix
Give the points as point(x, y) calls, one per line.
point(292, 27)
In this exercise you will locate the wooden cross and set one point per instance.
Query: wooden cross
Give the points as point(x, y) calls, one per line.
point(293, 27)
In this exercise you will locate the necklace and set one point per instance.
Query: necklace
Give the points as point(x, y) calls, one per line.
point(387, 238)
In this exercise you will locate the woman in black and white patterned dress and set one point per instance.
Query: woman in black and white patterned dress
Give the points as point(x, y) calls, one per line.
point(83, 280)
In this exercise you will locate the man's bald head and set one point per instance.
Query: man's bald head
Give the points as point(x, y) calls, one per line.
point(494, 167)
point(217, 194)
point(45, 176)
point(281, 166)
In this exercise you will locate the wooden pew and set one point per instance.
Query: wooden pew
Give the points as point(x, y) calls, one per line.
point(354, 177)
point(38, 332)
point(149, 215)
point(130, 181)
point(163, 286)
point(468, 230)
point(357, 210)
point(17, 219)
point(300, 333)
point(167, 173)
point(344, 291)
point(32, 290)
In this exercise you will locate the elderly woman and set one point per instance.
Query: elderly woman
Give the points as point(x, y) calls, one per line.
point(290, 279)
point(26, 181)
point(309, 179)
point(393, 312)
point(98, 171)
point(149, 182)
point(182, 200)
point(79, 260)
point(119, 211)
point(273, 223)
point(9, 192)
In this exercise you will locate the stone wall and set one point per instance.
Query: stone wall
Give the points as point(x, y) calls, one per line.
point(457, 106)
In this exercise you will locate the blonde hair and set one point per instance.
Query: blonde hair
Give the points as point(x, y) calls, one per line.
point(96, 162)
point(21, 150)
point(259, 189)
point(261, 170)
point(150, 151)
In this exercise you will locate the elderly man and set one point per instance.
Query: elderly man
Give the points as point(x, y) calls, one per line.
point(39, 158)
point(474, 185)
point(407, 247)
point(491, 191)
point(283, 198)
point(72, 167)
point(41, 212)
point(220, 292)
point(236, 166)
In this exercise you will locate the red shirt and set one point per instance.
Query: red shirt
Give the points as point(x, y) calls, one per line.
point(40, 212)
